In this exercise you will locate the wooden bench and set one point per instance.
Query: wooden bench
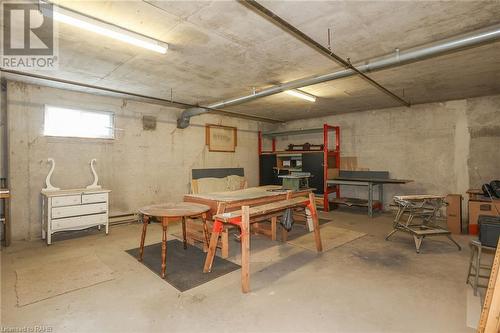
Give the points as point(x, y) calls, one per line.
point(220, 203)
point(248, 215)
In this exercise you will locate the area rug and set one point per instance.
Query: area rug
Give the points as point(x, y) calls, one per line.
point(331, 237)
point(58, 277)
point(184, 266)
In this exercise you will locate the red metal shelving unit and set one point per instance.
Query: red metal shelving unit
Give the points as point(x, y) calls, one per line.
point(327, 152)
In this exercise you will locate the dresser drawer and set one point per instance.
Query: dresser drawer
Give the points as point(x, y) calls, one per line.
point(67, 200)
point(79, 221)
point(96, 197)
point(68, 211)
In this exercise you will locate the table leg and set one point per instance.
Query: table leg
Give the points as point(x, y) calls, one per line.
point(478, 268)
point(145, 221)
point(224, 240)
point(370, 199)
point(472, 252)
point(184, 232)
point(245, 249)
point(164, 223)
point(205, 229)
point(314, 215)
point(214, 239)
point(454, 242)
point(391, 233)
point(381, 196)
point(418, 242)
point(284, 234)
point(274, 222)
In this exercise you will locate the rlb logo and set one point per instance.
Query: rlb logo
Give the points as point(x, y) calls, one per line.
point(28, 37)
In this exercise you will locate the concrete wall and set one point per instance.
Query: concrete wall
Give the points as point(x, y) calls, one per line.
point(140, 167)
point(437, 145)
point(441, 146)
point(483, 115)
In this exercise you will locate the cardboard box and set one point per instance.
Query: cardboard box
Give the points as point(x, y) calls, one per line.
point(482, 207)
point(454, 213)
point(348, 163)
point(332, 173)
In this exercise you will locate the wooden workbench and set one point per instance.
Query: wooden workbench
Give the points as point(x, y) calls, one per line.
point(248, 196)
point(222, 202)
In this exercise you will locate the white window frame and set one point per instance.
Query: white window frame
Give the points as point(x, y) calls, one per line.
point(111, 135)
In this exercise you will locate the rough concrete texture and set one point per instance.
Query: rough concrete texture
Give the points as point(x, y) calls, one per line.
point(368, 285)
point(220, 49)
point(140, 167)
point(484, 127)
point(437, 145)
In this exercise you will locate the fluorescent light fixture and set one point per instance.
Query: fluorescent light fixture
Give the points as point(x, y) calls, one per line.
point(301, 94)
point(102, 28)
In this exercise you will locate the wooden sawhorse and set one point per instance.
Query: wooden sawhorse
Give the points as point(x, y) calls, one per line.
point(247, 215)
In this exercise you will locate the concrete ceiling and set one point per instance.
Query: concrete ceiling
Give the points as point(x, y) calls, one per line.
point(220, 49)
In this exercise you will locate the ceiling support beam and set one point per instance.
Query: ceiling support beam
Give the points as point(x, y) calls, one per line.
point(287, 27)
point(137, 97)
point(473, 39)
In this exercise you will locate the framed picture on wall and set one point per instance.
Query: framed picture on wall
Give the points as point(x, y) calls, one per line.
point(220, 138)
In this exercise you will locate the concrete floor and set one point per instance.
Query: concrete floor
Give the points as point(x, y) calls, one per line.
point(368, 285)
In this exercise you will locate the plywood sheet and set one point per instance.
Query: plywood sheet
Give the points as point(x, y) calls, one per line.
point(51, 279)
point(331, 237)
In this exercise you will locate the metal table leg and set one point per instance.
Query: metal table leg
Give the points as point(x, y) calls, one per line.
point(370, 199)
point(381, 196)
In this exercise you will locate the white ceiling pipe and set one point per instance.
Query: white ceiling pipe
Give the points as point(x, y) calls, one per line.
point(472, 39)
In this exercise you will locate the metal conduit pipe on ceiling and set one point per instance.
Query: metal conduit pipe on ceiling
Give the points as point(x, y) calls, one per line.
point(472, 39)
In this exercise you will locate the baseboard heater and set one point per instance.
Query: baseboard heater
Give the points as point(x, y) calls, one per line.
point(123, 218)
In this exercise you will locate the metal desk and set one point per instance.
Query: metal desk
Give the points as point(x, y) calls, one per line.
point(371, 183)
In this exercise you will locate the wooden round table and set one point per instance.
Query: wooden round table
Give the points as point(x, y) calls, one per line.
point(170, 212)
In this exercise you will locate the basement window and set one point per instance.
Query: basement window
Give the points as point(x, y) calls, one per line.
point(78, 123)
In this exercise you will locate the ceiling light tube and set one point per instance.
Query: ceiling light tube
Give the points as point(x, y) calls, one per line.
point(106, 29)
point(301, 94)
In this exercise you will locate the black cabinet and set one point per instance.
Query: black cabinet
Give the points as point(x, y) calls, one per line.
point(267, 171)
point(313, 163)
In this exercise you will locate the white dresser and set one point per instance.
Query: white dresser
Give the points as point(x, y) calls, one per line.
point(73, 210)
